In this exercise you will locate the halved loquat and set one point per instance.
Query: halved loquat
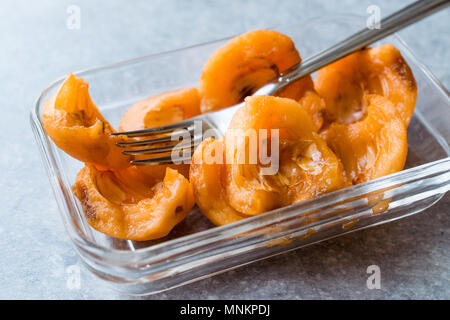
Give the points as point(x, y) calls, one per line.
point(372, 147)
point(124, 205)
point(75, 125)
point(298, 164)
point(246, 63)
point(381, 70)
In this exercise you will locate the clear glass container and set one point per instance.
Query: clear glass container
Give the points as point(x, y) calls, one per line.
point(196, 249)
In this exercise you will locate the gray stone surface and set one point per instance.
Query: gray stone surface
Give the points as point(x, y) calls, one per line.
point(37, 47)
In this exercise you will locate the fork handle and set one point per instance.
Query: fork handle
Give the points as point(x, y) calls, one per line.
point(396, 21)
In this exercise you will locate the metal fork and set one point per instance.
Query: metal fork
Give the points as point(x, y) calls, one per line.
point(218, 121)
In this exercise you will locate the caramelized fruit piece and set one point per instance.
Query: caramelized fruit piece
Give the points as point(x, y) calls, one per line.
point(135, 203)
point(245, 64)
point(76, 126)
point(123, 205)
point(372, 147)
point(381, 70)
point(162, 109)
point(307, 167)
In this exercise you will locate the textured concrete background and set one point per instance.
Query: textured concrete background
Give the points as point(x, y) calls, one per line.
point(37, 47)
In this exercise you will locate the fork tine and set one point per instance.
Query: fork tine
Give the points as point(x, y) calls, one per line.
point(145, 142)
point(157, 161)
point(157, 130)
point(163, 149)
point(149, 142)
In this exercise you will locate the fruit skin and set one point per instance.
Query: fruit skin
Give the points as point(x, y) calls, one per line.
point(75, 125)
point(381, 70)
point(372, 147)
point(162, 109)
point(226, 192)
point(121, 204)
point(245, 64)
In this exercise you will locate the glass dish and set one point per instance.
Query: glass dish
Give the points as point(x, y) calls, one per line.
point(196, 249)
